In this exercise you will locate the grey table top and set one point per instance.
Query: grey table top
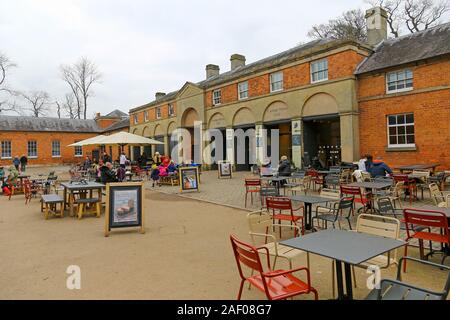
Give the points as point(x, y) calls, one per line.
point(346, 246)
point(82, 186)
point(311, 199)
point(419, 166)
point(52, 198)
point(371, 185)
point(275, 178)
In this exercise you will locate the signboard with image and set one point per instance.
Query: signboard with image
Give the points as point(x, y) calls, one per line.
point(225, 169)
point(124, 206)
point(189, 179)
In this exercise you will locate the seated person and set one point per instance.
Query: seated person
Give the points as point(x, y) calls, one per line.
point(379, 169)
point(121, 174)
point(107, 173)
point(172, 169)
point(284, 169)
point(163, 171)
point(2, 174)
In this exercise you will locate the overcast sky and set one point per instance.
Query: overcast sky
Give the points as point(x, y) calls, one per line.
point(145, 46)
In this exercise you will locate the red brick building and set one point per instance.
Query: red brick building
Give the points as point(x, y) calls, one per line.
point(45, 140)
point(404, 99)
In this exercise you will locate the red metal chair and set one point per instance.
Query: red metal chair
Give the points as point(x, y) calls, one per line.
point(358, 195)
point(315, 177)
point(276, 284)
point(429, 219)
point(409, 185)
point(29, 189)
point(277, 205)
point(251, 186)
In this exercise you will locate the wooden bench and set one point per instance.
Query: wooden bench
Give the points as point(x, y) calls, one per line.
point(51, 202)
point(83, 206)
point(171, 180)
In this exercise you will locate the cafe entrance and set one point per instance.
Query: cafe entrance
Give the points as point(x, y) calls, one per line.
point(322, 140)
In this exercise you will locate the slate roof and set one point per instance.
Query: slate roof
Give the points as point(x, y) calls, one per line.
point(293, 54)
point(430, 43)
point(116, 114)
point(124, 123)
point(22, 123)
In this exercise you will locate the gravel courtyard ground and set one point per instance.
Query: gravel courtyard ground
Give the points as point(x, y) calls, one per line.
point(185, 253)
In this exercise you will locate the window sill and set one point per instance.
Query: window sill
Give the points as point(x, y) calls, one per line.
point(319, 81)
point(401, 149)
point(277, 91)
point(399, 91)
point(81, 156)
point(6, 158)
point(56, 157)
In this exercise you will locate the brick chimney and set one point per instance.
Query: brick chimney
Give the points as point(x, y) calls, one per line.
point(159, 95)
point(237, 60)
point(212, 70)
point(376, 25)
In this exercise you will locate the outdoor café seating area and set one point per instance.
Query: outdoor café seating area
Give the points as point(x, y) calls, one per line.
point(310, 235)
point(354, 220)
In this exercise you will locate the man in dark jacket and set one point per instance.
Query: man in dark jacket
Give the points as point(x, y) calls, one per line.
point(23, 163)
point(379, 169)
point(107, 174)
point(284, 169)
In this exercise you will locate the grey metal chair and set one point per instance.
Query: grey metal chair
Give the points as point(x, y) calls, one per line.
point(333, 214)
point(332, 181)
point(265, 192)
point(399, 290)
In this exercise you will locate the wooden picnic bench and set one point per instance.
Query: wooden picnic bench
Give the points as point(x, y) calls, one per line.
point(49, 203)
point(85, 202)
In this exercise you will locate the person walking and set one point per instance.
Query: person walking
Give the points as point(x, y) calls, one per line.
point(123, 160)
point(23, 163)
point(16, 162)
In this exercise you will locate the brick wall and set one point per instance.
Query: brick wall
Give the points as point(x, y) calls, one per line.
point(340, 65)
point(152, 114)
point(19, 141)
point(432, 128)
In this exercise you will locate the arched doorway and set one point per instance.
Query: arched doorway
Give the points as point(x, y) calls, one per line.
point(277, 117)
point(190, 116)
point(217, 124)
point(158, 135)
point(321, 131)
point(244, 143)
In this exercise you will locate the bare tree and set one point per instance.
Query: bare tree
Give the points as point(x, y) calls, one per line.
point(5, 104)
point(80, 77)
point(350, 25)
point(37, 102)
point(70, 106)
point(414, 15)
point(423, 14)
point(58, 109)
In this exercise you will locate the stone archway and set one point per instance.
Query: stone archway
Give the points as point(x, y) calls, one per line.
point(217, 121)
point(276, 111)
point(320, 104)
point(158, 131)
point(190, 116)
point(244, 116)
point(146, 132)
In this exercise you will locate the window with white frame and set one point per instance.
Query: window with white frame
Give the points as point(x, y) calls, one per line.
point(135, 119)
point(243, 90)
point(171, 110)
point(217, 97)
point(401, 130)
point(32, 149)
point(319, 70)
point(145, 116)
point(276, 81)
point(56, 148)
point(158, 113)
point(78, 151)
point(6, 149)
point(399, 81)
